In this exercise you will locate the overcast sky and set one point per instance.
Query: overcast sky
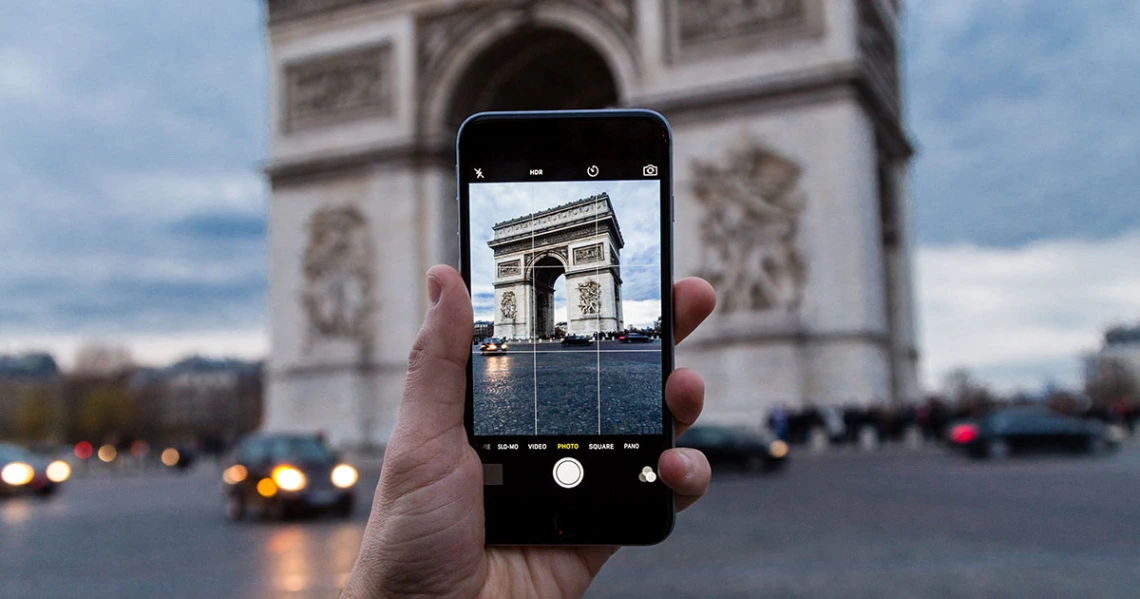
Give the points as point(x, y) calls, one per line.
point(131, 139)
point(636, 208)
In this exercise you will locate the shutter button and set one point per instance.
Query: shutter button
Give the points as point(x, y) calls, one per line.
point(568, 473)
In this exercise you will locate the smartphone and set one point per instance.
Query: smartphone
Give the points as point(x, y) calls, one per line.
point(566, 240)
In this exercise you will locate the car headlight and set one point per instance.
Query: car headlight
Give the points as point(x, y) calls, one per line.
point(288, 478)
point(235, 474)
point(492, 347)
point(778, 449)
point(503, 346)
point(266, 488)
point(17, 474)
point(58, 471)
point(344, 476)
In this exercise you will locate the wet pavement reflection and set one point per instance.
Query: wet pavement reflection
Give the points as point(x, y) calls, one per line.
point(165, 535)
point(895, 524)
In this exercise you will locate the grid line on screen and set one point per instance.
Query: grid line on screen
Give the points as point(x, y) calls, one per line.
point(598, 345)
point(532, 312)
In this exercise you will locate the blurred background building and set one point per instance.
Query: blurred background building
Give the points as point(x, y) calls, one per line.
point(1112, 374)
point(105, 398)
point(790, 169)
point(201, 398)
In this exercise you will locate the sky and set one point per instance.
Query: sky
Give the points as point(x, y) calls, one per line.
point(635, 206)
point(132, 140)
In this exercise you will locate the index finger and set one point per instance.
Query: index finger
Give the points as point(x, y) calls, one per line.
point(693, 301)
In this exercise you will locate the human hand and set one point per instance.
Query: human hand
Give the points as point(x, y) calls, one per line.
point(425, 534)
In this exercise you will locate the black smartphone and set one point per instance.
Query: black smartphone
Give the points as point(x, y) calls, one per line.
point(566, 230)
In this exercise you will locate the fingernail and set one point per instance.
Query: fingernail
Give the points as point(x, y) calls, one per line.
point(434, 290)
point(688, 462)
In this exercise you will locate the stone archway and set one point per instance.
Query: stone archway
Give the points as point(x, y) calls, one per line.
point(540, 55)
point(534, 68)
point(580, 240)
point(365, 98)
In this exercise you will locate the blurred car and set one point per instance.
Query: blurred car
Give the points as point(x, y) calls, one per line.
point(492, 345)
point(282, 475)
point(22, 472)
point(1023, 430)
point(577, 340)
point(737, 446)
point(634, 338)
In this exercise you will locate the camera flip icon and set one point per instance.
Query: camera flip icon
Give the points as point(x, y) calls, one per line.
point(649, 170)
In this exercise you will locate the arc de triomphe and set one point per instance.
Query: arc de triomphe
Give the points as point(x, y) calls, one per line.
point(790, 170)
point(581, 240)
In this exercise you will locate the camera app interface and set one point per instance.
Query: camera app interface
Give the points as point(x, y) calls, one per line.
point(566, 289)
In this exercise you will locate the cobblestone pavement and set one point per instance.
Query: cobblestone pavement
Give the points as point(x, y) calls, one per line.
point(890, 524)
point(607, 388)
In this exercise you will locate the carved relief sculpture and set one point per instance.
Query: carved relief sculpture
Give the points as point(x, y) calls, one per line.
point(510, 269)
point(508, 307)
point(338, 259)
point(710, 19)
point(340, 87)
point(590, 297)
point(588, 254)
point(753, 207)
point(731, 25)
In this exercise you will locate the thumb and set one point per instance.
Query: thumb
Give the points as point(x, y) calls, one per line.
point(436, 385)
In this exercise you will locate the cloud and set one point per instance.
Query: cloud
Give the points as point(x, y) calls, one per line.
point(1019, 317)
point(220, 227)
point(134, 207)
point(1025, 119)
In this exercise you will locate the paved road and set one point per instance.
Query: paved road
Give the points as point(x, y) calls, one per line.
point(609, 388)
point(889, 525)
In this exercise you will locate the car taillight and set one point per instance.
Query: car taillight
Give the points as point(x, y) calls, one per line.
point(963, 433)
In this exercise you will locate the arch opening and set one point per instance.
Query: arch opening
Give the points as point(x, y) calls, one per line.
point(534, 68)
point(548, 277)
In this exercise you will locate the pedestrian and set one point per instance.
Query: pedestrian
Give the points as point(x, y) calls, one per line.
point(778, 421)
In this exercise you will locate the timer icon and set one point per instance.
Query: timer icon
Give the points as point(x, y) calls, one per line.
point(592, 171)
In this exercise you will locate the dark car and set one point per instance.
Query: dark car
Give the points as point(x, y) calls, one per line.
point(23, 472)
point(1023, 430)
point(577, 340)
point(634, 338)
point(282, 475)
point(737, 446)
point(492, 345)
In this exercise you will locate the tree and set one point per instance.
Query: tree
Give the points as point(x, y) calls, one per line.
point(106, 410)
point(36, 415)
point(963, 390)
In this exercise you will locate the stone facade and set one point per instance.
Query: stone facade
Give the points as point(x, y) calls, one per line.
point(790, 168)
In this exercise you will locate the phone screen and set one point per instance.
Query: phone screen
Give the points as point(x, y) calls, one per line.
point(566, 228)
